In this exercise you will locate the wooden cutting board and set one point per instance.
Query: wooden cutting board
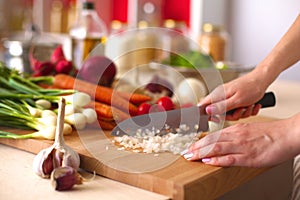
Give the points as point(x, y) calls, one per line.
point(165, 174)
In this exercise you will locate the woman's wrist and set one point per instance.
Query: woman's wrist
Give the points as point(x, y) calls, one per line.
point(262, 76)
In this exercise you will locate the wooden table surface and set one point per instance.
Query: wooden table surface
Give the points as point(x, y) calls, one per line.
point(177, 178)
point(213, 182)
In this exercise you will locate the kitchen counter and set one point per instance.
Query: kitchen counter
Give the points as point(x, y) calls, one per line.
point(15, 170)
point(18, 181)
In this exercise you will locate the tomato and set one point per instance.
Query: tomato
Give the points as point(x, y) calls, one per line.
point(144, 108)
point(166, 102)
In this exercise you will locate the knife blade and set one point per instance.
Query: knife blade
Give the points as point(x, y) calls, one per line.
point(191, 119)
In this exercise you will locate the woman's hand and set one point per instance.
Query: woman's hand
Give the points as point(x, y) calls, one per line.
point(240, 94)
point(250, 144)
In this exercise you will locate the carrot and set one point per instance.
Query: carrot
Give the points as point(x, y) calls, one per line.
point(107, 112)
point(135, 98)
point(102, 110)
point(103, 124)
point(105, 119)
point(120, 115)
point(99, 93)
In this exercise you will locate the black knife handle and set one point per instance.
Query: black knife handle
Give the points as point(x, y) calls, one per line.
point(268, 100)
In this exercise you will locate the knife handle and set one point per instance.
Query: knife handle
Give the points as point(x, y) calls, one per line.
point(268, 100)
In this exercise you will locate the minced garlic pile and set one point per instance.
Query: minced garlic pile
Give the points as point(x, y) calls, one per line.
point(156, 141)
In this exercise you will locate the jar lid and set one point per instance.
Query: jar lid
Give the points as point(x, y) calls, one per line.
point(88, 5)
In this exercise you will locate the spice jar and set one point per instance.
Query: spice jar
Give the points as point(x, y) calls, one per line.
point(178, 35)
point(214, 40)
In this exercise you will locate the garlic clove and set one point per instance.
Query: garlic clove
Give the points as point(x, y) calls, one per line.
point(47, 165)
point(64, 178)
point(43, 163)
point(67, 156)
point(71, 158)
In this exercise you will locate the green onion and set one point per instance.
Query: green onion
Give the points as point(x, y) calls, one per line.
point(22, 104)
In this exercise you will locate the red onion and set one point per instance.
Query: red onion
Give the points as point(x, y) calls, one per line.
point(99, 70)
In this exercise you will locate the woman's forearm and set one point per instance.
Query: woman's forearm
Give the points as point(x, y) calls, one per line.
point(283, 55)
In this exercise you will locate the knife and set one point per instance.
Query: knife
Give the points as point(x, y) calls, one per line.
point(185, 120)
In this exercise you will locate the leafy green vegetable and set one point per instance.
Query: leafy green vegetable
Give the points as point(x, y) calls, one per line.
point(190, 59)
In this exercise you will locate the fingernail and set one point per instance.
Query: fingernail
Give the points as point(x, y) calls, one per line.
point(243, 111)
point(211, 109)
point(205, 160)
point(188, 156)
point(184, 152)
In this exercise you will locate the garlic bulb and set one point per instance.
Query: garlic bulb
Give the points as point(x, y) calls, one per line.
point(57, 155)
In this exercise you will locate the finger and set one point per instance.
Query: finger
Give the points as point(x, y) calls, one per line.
point(218, 94)
point(216, 108)
point(236, 115)
point(231, 160)
point(232, 102)
point(256, 109)
point(248, 112)
point(244, 112)
point(205, 101)
point(214, 150)
point(209, 139)
point(222, 161)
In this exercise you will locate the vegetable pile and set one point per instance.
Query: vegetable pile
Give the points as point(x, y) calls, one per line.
point(26, 105)
point(87, 103)
point(111, 106)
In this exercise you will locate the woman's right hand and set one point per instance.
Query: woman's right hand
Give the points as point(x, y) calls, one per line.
point(240, 94)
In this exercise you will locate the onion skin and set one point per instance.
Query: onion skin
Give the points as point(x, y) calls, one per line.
point(98, 70)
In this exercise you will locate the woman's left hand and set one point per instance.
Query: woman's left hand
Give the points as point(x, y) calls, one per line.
point(249, 144)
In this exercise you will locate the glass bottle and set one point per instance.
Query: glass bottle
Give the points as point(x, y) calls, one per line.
point(89, 31)
point(214, 41)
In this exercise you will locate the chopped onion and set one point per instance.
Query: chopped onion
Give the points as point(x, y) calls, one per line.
point(151, 141)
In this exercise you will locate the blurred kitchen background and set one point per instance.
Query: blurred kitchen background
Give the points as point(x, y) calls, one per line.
point(253, 26)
